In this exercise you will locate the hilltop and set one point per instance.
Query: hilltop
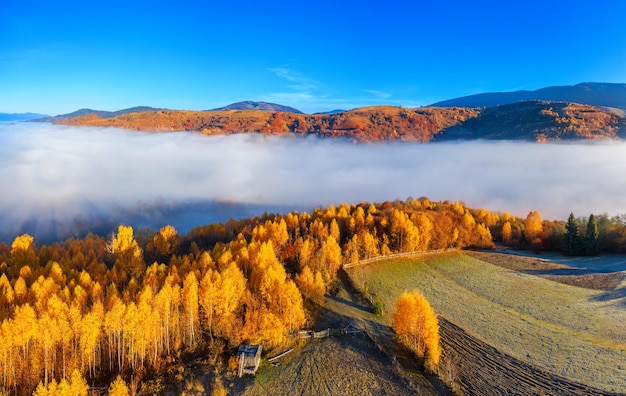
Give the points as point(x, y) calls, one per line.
point(539, 121)
point(251, 105)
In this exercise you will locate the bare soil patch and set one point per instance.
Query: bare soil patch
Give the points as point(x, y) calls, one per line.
point(516, 263)
point(555, 272)
point(590, 281)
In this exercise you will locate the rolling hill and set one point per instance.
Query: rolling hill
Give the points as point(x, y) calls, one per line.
point(583, 111)
point(539, 121)
point(367, 124)
point(595, 94)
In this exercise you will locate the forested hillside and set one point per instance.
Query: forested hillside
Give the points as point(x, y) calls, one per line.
point(365, 124)
point(125, 305)
point(131, 304)
point(530, 121)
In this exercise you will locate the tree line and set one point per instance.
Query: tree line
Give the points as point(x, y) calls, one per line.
point(583, 236)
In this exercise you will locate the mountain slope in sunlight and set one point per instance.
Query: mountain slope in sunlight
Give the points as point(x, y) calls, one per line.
point(539, 121)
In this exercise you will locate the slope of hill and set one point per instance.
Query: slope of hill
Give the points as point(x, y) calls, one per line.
point(595, 94)
point(539, 121)
point(99, 113)
point(531, 121)
point(20, 116)
point(250, 105)
point(365, 124)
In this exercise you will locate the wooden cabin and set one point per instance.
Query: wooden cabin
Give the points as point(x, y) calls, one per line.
point(249, 358)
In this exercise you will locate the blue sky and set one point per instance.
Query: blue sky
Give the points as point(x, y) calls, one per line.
point(59, 56)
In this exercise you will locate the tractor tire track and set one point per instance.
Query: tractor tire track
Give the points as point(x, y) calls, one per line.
point(483, 370)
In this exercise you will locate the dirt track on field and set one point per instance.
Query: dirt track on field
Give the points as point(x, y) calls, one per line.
point(480, 369)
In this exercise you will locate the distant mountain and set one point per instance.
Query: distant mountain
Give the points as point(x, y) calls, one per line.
point(250, 105)
point(99, 113)
point(331, 111)
point(20, 116)
point(595, 94)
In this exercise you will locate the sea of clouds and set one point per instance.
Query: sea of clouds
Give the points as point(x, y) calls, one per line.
point(56, 173)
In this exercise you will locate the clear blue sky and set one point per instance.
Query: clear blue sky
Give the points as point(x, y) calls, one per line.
point(58, 56)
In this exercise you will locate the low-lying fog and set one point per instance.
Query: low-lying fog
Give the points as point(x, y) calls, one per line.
point(56, 172)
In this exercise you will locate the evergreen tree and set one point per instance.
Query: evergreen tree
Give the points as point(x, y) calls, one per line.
point(591, 242)
point(571, 242)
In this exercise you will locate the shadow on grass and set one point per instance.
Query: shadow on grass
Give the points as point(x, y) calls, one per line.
point(561, 271)
point(617, 296)
point(360, 306)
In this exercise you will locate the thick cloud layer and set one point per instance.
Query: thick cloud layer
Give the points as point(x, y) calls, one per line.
point(61, 172)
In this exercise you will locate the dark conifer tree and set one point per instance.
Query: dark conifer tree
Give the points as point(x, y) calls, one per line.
point(571, 242)
point(591, 242)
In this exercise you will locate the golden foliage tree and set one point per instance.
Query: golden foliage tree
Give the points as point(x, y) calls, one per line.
point(311, 284)
point(21, 243)
point(416, 325)
point(123, 240)
point(507, 233)
point(533, 226)
point(191, 310)
point(118, 388)
point(165, 242)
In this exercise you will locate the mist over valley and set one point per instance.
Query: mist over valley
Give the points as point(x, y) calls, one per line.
point(59, 177)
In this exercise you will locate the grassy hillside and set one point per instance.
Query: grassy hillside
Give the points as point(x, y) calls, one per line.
point(571, 331)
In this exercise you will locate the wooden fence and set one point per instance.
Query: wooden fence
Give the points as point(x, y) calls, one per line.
point(396, 255)
point(313, 334)
point(349, 330)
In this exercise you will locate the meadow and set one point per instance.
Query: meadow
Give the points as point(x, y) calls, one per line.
point(575, 332)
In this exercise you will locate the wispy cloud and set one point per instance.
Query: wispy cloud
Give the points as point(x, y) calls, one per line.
point(310, 95)
point(298, 81)
point(294, 98)
point(377, 94)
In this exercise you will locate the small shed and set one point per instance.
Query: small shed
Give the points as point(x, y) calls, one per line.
point(249, 358)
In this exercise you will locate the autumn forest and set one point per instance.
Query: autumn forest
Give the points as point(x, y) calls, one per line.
point(131, 303)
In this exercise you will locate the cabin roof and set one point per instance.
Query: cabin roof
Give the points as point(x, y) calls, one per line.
point(248, 350)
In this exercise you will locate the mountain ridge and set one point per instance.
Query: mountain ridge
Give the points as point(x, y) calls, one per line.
point(513, 117)
point(539, 121)
point(595, 94)
point(20, 116)
point(99, 113)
